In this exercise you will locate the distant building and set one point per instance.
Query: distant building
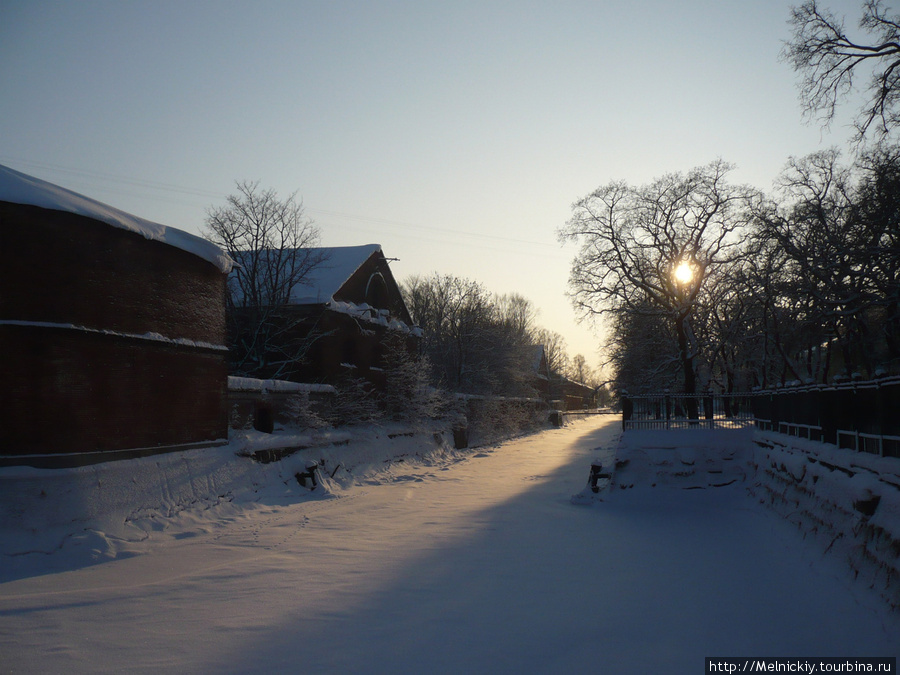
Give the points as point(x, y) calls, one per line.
point(112, 329)
point(350, 312)
point(577, 396)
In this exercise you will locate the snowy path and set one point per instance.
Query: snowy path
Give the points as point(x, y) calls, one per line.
point(482, 565)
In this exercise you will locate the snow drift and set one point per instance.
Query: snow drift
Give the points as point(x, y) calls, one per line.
point(848, 502)
point(63, 518)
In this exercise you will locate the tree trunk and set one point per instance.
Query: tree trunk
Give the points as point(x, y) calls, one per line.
point(687, 366)
point(892, 329)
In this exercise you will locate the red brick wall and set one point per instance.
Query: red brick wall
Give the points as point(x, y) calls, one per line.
point(354, 289)
point(345, 339)
point(72, 391)
point(67, 390)
point(64, 268)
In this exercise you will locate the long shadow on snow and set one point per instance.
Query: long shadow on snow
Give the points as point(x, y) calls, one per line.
point(647, 581)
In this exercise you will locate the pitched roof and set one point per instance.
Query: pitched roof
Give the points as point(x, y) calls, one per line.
point(20, 188)
point(326, 279)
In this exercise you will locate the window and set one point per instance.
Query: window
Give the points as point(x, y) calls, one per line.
point(376, 292)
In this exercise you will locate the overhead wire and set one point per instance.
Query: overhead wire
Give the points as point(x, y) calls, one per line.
point(356, 221)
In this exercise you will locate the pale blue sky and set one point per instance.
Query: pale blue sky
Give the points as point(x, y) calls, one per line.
point(455, 134)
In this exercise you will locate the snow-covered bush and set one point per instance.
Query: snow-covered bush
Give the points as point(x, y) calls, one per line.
point(300, 413)
point(408, 395)
point(356, 402)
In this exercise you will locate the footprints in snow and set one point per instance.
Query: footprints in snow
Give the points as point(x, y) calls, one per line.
point(268, 531)
point(536, 478)
point(402, 478)
point(387, 477)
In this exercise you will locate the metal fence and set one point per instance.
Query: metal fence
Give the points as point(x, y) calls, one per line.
point(861, 415)
point(685, 411)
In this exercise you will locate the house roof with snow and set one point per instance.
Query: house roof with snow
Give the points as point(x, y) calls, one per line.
point(353, 280)
point(325, 280)
point(356, 280)
point(20, 188)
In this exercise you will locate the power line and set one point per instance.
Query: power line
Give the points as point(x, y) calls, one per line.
point(417, 230)
point(455, 233)
point(138, 182)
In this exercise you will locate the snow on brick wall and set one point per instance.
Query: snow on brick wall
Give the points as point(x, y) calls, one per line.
point(279, 403)
point(849, 502)
point(236, 383)
point(71, 270)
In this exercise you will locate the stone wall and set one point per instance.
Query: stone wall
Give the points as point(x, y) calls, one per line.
point(848, 502)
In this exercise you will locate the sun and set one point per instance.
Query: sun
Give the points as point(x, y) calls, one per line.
point(683, 273)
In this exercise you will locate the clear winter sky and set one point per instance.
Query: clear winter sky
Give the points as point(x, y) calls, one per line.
point(455, 134)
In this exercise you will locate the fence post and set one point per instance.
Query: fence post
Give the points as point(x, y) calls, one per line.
point(627, 409)
point(879, 412)
point(829, 399)
point(668, 408)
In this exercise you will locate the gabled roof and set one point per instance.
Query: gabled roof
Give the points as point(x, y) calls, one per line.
point(326, 279)
point(20, 188)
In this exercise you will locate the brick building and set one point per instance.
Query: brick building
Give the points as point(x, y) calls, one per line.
point(112, 330)
point(351, 312)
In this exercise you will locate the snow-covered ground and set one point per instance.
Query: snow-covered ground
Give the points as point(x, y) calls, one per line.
point(445, 562)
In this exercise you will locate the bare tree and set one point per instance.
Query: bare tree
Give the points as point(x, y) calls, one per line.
point(580, 371)
point(454, 315)
point(408, 394)
point(652, 249)
point(477, 343)
point(818, 230)
point(731, 329)
point(783, 331)
point(837, 235)
point(513, 326)
point(829, 60)
point(272, 241)
point(878, 198)
point(642, 351)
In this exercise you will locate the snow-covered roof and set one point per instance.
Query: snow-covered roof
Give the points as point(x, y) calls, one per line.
point(20, 188)
point(323, 282)
point(369, 314)
point(340, 262)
